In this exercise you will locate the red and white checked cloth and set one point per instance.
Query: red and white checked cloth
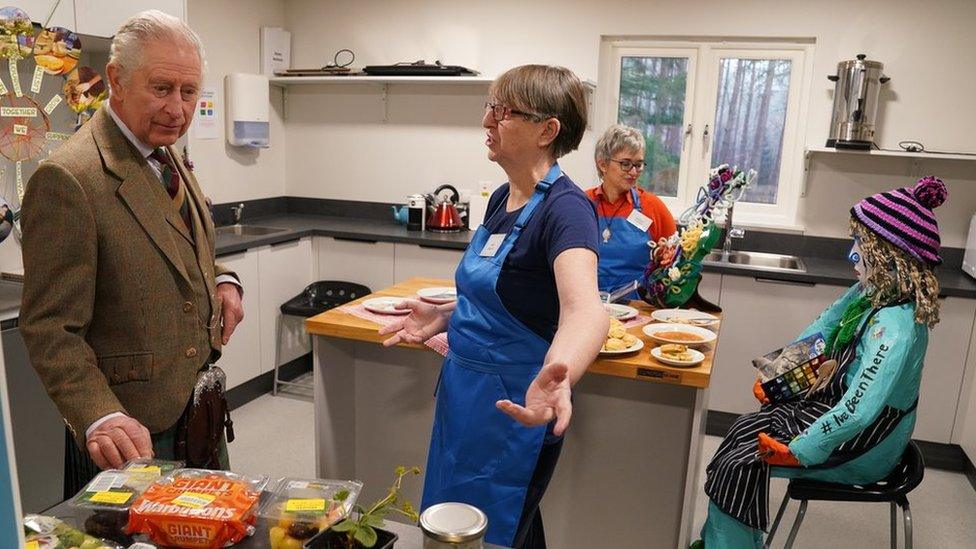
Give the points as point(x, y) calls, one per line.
point(438, 343)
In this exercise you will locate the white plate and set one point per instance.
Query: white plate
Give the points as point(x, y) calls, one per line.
point(438, 295)
point(632, 349)
point(696, 358)
point(385, 306)
point(620, 312)
point(652, 330)
point(684, 316)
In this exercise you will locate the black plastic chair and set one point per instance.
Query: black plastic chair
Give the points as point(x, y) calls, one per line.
point(317, 298)
point(892, 489)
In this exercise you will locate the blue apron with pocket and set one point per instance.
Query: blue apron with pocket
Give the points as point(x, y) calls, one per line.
point(625, 255)
point(478, 454)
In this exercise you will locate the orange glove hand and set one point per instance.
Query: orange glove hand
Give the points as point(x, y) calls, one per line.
point(760, 395)
point(775, 452)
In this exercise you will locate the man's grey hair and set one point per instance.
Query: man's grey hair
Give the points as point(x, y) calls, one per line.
point(143, 28)
point(618, 137)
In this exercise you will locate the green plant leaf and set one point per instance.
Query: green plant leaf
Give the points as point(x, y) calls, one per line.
point(341, 495)
point(366, 536)
point(375, 521)
point(344, 526)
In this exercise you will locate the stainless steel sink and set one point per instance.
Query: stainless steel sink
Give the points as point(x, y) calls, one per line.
point(247, 230)
point(757, 261)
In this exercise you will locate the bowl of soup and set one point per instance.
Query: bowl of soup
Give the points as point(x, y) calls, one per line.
point(682, 334)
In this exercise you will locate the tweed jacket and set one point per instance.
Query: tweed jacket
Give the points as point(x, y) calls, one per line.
point(119, 308)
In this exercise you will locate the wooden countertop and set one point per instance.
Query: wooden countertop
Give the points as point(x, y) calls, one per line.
point(640, 365)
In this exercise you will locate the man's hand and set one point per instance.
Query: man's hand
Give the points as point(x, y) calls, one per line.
point(231, 310)
point(546, 398)
point(117, 440)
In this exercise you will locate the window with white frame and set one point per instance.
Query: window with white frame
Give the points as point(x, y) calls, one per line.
point(703, 103)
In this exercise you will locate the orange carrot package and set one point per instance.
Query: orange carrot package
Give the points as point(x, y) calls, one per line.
point(197, 509)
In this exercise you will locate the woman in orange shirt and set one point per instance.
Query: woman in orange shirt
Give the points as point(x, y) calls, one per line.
point(628, 216)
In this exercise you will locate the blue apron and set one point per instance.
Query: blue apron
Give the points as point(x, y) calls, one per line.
point(479, 455)
point(624, 257)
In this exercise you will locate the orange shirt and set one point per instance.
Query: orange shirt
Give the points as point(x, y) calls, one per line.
point(663, 224)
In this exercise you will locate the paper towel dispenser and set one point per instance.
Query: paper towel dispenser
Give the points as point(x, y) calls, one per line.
point(247, 100)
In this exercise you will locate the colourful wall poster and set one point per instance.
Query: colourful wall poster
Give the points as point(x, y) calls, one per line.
point(205, 117)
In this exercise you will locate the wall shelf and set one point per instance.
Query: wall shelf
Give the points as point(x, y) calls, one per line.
point(285, 81)
point(915, 157)
point(901, 154)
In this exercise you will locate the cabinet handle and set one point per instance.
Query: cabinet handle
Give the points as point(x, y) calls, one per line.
point(785, 282)
point(356, 239)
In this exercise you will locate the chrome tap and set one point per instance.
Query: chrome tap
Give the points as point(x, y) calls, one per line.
point(238, 212)
point(731, 231)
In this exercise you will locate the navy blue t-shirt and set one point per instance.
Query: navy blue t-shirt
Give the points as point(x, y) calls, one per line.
point(527, 283)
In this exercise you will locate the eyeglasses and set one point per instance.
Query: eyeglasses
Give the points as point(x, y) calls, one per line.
point(627, 165)
point(501, 112)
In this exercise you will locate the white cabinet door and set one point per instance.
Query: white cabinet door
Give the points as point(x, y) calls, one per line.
point(945, 365)
point(241, 357)
point(39, 10)
point(964, 429)
point(363, 262)
point(412, 260)
point(104, 17)
point(284, 271)
point(758, 316)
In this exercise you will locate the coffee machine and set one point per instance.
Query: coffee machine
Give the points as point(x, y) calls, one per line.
point(858, 85)
point(416, 212)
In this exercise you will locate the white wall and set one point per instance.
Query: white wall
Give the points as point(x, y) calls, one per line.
point(433, 135)
point(230, 30)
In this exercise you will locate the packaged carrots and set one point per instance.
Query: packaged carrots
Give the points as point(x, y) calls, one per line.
point(197, 509)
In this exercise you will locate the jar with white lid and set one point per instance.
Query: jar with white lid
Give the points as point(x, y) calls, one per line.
point(453, 526)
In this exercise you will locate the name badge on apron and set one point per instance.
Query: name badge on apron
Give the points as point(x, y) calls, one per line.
point(492, 245)
point(639, 220)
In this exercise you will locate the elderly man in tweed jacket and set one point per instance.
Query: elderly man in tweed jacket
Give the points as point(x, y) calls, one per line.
point(123, 302)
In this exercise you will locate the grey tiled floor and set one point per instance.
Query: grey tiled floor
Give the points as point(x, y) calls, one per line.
point(275, 437)
point(943, 515)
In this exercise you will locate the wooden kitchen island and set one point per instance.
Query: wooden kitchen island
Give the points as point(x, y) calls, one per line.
point(628, 473)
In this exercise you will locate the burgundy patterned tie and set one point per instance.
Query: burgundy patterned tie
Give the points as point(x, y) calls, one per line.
point(170, 177)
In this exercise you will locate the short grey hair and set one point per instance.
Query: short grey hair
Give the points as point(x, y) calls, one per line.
point(617, 138)
point(145, 27)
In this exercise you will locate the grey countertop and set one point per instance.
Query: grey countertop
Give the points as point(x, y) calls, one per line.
point(820, 270)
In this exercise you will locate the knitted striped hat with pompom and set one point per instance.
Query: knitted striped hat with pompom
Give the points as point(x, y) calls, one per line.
point(904, 217)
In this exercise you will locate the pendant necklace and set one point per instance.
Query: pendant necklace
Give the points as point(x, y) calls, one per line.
point(606, 234)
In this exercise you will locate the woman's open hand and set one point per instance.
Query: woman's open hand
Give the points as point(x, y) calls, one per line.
point(424, 322)
point(546, 398)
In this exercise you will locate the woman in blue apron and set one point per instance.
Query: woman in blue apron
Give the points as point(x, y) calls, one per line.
point(527, 322)
point(629, 217)
point(853, 429)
